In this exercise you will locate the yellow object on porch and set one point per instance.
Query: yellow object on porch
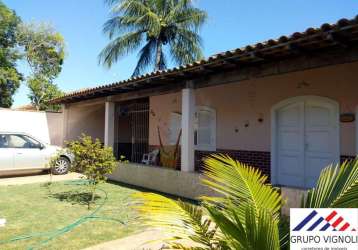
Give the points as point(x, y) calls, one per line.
point(169, 154)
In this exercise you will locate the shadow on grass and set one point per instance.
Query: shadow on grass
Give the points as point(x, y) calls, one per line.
point(75, 197)
point(142, 189)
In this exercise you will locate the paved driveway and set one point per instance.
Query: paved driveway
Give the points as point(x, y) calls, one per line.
point(38, 179)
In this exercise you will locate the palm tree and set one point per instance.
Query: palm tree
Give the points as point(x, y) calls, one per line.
point(159, 26)
point(247, 214)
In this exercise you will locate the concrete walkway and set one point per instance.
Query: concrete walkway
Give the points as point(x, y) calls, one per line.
point(41, 178)
point(144, 240)
point(147, 240)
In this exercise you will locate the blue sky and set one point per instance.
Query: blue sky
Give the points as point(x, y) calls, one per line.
point(231, 24)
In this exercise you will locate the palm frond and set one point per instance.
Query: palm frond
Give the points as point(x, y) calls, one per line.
point(285, 241)
point(184, 220)
point(185, 47)
point(145, 57)
point(120, 46)
point(111, 2)
point(337, 187)
point(241, 185)
point(130, 7)
point(189, 18)
point(259, 230)
point(142, 11)
point(118, 24)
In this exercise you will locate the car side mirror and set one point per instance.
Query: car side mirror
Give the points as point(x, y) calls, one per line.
point(41, 146)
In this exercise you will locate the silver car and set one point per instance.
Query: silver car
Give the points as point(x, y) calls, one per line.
point(23, 152)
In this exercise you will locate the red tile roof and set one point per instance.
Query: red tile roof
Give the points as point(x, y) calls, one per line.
point(343, 31)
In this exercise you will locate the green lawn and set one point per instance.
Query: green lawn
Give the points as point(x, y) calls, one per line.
point(38, 208)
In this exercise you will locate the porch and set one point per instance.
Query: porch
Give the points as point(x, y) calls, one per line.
point(288, 125)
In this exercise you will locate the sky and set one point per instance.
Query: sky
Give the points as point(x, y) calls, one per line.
point(231, 24)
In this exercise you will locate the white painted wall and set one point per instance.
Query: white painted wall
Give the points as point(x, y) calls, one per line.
point(45, 126)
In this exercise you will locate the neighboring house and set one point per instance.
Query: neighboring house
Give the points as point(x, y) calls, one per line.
point(26, 107)
point(286, 106)
point(45, 126)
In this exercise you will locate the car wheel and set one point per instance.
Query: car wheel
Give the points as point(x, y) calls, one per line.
point(62, 166)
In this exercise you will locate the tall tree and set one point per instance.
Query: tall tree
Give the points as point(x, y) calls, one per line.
point(10, 78)
point(159, 27)
point(44, 52)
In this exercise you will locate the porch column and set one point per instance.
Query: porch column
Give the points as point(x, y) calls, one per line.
point(187, 142)
point(109, 124)
point(64, 123)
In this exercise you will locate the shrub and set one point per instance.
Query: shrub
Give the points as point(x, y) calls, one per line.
point(93, 160)
point(246, 214)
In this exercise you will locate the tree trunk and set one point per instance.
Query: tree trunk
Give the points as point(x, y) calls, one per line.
point(158, 56)
point(93, 194)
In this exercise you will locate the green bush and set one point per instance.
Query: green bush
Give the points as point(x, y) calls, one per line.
point(246, 212)
point(93, 160)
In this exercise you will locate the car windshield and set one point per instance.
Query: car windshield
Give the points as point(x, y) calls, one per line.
point(31, 140)
point(34, 143)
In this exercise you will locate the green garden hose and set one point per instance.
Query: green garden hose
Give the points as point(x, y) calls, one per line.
point(59, 232)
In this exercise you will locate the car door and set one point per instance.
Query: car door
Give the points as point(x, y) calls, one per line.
point(27, 154)
point(6, 154)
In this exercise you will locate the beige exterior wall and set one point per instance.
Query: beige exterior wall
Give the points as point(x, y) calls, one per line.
point(55, 127)
point(159, 116)
point(183, 184)
point(88, 119)
point(292, 198)
point(245, 102)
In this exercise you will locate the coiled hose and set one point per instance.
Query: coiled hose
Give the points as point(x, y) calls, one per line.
point(59, 232)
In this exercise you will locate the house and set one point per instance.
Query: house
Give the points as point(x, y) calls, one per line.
point(286, 106)
point(26, 107)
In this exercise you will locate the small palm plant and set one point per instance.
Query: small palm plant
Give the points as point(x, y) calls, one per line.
point(246, 214)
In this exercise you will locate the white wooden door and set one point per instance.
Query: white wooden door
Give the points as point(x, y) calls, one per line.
point(307, 133)
point(290, 145)
point(321, 132)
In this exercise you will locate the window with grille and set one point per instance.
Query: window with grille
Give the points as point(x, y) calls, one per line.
point(204, 128)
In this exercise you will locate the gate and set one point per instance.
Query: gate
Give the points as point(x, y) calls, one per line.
point(139, 121)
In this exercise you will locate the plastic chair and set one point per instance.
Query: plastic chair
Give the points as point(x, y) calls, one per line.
point(150, 158)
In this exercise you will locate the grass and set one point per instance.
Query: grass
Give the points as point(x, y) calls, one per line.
point(40, 208)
